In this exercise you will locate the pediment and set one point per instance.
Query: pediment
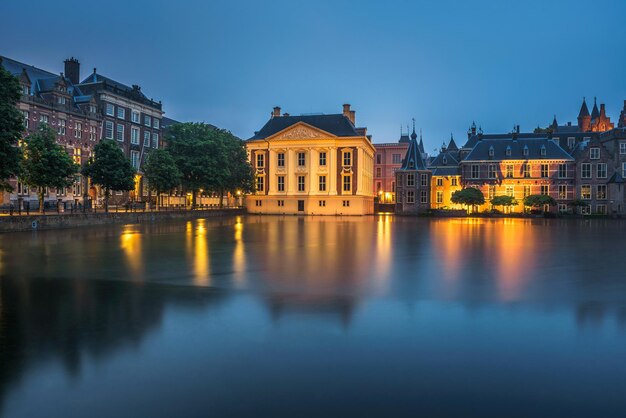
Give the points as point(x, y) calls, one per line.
point(301, 130)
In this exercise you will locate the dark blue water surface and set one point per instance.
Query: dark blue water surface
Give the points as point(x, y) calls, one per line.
point(314, 317)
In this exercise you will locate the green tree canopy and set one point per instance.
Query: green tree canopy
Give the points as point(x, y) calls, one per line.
point(110, 169)
point(538, 200)
point(576, 203)
point(46, 163)
point(504, 201)
point(161, 172)
point(11, 127)
point(469, 196)
point(237, 173)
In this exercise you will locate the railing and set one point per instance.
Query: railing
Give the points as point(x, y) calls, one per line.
point(127, 208)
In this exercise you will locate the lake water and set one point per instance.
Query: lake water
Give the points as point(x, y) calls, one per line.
point(310, 317)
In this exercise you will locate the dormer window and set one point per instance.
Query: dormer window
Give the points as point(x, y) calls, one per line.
point(491, 151)
point(25, 90)
point(525, 150)
point(411, 164)
point(92, 108)
point(543, 150)
point(445, 160)
point(508, 151)
point(61, 100)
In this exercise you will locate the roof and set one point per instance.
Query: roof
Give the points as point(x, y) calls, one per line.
point(595, 112)
point(616, 178)
point(34, 73)
point(413, 158)
point(95, 82)
point(584, 110)
point(450, 159)
point(452, 145)
point(481, 152)
point(336, 124)
point(167, 122)
point(446, 171)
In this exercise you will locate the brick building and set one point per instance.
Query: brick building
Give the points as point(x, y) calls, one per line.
point(413, 181)
point(387, 160)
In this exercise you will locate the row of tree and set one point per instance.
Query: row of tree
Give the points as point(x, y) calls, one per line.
point(198, 157)
point(471, 197)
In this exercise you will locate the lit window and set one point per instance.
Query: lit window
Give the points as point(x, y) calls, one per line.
point(281, 183)
point(347, 183)
point(301, 183)
point(562, 191)
point(322, 183)
point(281, 159)
point(301, 159)
point(585, 191)
point(347, 158)
point(601, 191)
point(260, 160)
point(510, 191)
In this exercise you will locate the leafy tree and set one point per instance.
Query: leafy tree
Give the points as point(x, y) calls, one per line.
point(110, 169)
point(538, 200)
point(504, 201)
point(161, 172)
point(468, 197)
point(577, 203)
point(46, 163)
point(237, 174)
point(11, 128)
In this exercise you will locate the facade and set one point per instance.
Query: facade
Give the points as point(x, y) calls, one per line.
point(387, 160)
point(58, 101)
point(446, 176)
point(413, 181)
point(312, 164)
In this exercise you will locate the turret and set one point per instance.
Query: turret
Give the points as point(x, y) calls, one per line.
point(584, 119)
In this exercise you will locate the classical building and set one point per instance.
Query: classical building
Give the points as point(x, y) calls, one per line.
point(387, 160)
point(413, 181)
point(446, 178)
point(312, 164)
point(56, 100)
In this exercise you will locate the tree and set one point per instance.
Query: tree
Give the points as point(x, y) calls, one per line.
point(470, 196)
point(161, 172)
point(11, 128)
point(577, 203)
point(46, 163)
point(238, 175)
point(538, 200)
point(504, 201)
point(110, 169)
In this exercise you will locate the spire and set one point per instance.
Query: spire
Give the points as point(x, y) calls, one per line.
point(595, 112)
point(404, 138)
point(584, 110)
point(421, 144)
point(413, 159)
point(555, 124)
point(413, 135)
point(452, 145)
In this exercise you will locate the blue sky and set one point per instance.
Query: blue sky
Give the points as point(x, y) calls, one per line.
point(445, 63)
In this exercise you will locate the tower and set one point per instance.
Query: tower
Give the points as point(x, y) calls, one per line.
point(584, 119)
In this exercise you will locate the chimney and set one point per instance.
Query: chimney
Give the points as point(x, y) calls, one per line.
point(276, 112)
point(348, 113)
point(72, 70)
point(602, 110)
point(353, 117)
point(517, 129)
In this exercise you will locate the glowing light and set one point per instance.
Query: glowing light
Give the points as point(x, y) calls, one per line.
point(201, 255)
point(130, 243)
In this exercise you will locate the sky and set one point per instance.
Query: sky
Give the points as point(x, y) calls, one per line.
point(445, 63)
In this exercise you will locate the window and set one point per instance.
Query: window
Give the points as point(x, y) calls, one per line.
point(77, 153)
point(280, 203)
point(562, 208)
point(301, 184)
point(454, 181)
point(156, 123)
point(393, 186)
point(78, 130)
point(585, 192)
point(322, 158)
point(301, 159)
point(424, 180)
point(571, 141)
point(624, 170)
point(585, 210)
point(594, 153)
point(526, 170)
point(562, 171)
point(258, 203)
point(43, 119)
point(61, 100)
point(444, 160)
point(410, 180)
point(108, 130)
point(491, 151)
point(526, 191)
point(26, 115)
point(622, 148)
point(410, 196)
point(545, 170)
point(379, 172)
point(147, 120)
point(260, 184)
point(346, 203)
point(322, 183)
point(492, 171)
point(280, 183)
point(601, 209)
point(379, 159)
point(347, 158)
point(347, 183)
point(92, 108)
point(25, 90)
point(61, 127)
point(543, 151)
point(121, 113)
point(92, 133)
point(601, 192)
point(134, 116)
point(379, 186)
point(585, 171)
point(76, 188)
point(110, 109)
point(397, 158)
point(146, 139)
point(491, 192)
point(508, 151)
point(134, 159)
point(155, 140)
point(475, 171)
point(545, 190)
point(439, 197)
point(601, 170)
point(260, 160)
point(120, 132)
point(322, 203)
point(562, 191)
point(134, 136)
point(439, 181)
point(509, 171)
point(280, 161)
point(525, 150)
point(424, 196)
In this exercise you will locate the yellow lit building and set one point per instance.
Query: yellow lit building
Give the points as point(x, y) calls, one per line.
point(446, 177)
point(312, 164)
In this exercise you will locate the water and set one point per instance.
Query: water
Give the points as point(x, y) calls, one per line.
point(299, 317)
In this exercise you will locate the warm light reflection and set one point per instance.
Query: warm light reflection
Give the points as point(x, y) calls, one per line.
point(514, 256)
point(130, 243)
point(383, 250)
point(201, 255)
point(239, 256)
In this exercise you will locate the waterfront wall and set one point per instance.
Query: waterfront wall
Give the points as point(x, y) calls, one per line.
point(57, 221)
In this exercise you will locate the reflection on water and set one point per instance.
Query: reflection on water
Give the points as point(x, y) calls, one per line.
point(460, 317)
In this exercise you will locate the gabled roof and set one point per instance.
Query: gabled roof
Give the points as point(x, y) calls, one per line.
point(33, 73)
point(481, 152)
point(452, 145)
point(584, 110)
point(336, 124)
point(616, 178)
point(413, 158)
point(595, 112)
point(96, 82)
point(451, 159)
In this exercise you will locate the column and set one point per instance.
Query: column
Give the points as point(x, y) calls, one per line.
point(360, 172)
point(332, 170)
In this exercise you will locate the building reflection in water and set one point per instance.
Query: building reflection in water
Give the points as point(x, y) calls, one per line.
point(130, 243)
point(198, 247)
point(239, 254)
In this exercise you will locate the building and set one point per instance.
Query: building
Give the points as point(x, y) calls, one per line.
point(387, 160)
point(446, 177)
point(312, 164)
point(413, 181)
point(56, 100)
